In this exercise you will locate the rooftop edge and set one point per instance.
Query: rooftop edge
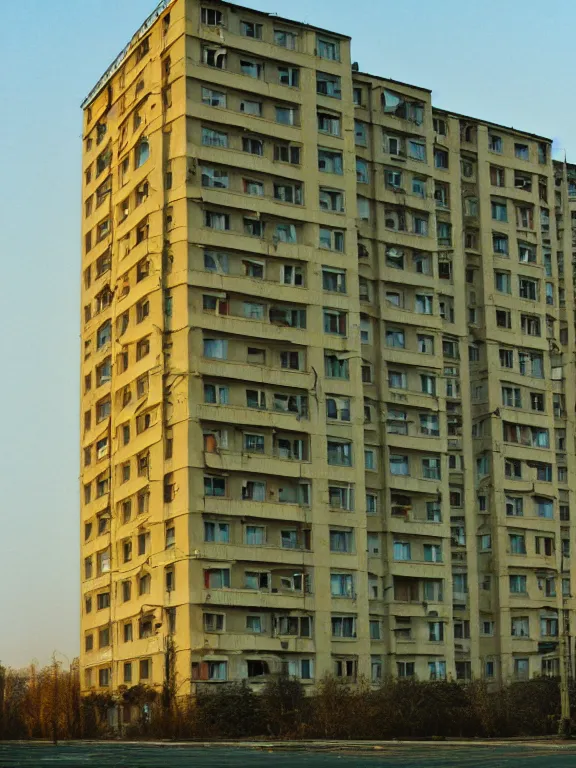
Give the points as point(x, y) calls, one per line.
point(156, 13)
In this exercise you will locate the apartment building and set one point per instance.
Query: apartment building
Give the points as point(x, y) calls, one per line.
point(326, 407)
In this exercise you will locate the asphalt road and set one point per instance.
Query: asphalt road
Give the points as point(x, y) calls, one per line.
point(384, 756)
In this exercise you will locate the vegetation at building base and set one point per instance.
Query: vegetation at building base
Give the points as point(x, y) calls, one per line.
point(46, 703)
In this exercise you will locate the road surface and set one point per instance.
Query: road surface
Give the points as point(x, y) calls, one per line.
point(384, 755)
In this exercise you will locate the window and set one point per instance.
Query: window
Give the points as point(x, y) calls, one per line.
point(252, 146)
point(212, 17)
point(503, 282)
point(513, 469)
point(397, 380)
point(424, 304)
point(440, 158)
point(331, 200)
point(511, 397)
point(328, 85)
point(506, 358)
point(285, 39)
point(213, 98)
point(499, 211)
point(431, 469)
point(328, 49)
point(332, 239)
point(216, 578)
point(251, 69)
point(334, 279)
point(494, 143)
point(104, 676)
point(286, 115)
point(210, 670)
point(285, 233)
point(517, 584)
point(370, 458)
point(420, 227)
point(338, 408)
point(103, 161)
point(527, 288)
point(253, 227)
point(440, 126)
point(214, 177)
point(341, 497)
point(254, 443)
point(393, 179)
point(419, 187)
point(395, 337)
point(503, 318)
point(398, 465)
point(214, 486)
point(250, 29)
point(251, 107)
point(213, 138)
point(522, 151)
point(217, 532)
point(104, 637)
point(524, 217)
point(335, 367)
point(292, 360)
point(360, 133)
point(214, 57)
point(432, 553)
point(544, 507)
point(526, 253)
point(428, 384)
point(435, 631)
point(530, 325)
point(497, 176)
point(255, 624)
point(395, 104)
point(339, 453)
point(417, 150)
point(517, 544)
point(216, 394)
point(429, 424)
point(287, 153)
point(328, 122)
point(335, 321)
point(256, 580)
point(401, 551)
point(531, 364)
point(425, 344)
point(330, 161)
point(523, 181)
point(255, 535)
point(215, 220)
point(343, 626)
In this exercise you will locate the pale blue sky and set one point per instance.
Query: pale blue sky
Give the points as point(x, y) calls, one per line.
point(509, 61)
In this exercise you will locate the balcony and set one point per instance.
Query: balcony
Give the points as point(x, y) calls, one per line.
point(262, 463)
point(252, 372)
point(270, 330)
point(252, 417)
point(257, 643)
point(249, 553)
point(250, 598)
point(262, 509)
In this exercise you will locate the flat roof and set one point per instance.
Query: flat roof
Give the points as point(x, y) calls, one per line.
point(282, 18)
point(118, 61)
point(391, 80)
point(489, 122)
point(157, 12)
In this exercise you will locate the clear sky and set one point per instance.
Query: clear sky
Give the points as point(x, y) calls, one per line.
point(509, 61)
